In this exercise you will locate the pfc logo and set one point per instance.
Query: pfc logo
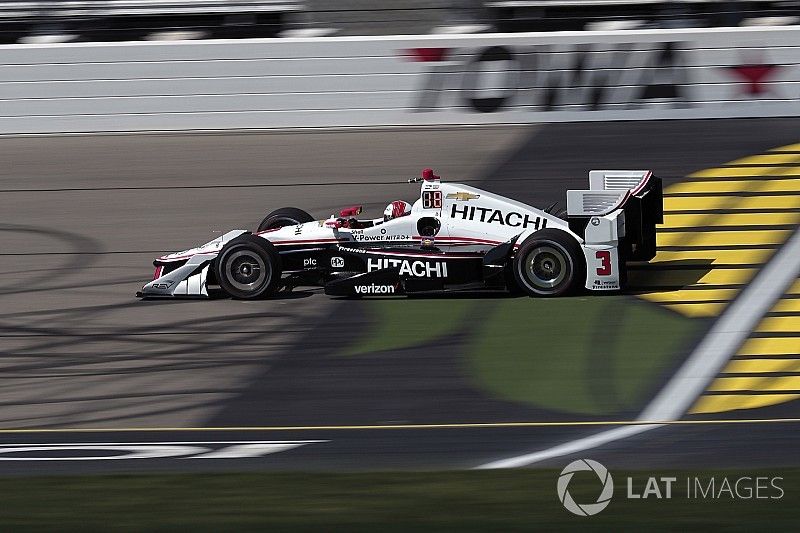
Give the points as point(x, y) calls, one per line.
point(585, 509)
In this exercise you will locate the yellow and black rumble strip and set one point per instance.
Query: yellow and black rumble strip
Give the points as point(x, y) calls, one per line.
point(720, 226)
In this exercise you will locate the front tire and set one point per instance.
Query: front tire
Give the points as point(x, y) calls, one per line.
point(549, 263)
point(285, 216)
point(248, 267)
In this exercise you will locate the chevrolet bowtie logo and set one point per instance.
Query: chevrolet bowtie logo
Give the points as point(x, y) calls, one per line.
point(463, 196)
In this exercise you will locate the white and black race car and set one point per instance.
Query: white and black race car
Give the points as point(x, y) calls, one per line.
point(454, 238)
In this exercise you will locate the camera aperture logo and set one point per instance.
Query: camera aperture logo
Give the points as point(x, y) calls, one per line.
point(585, 509)
point(650, 488)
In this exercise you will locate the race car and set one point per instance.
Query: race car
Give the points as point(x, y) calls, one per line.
point(453, 238)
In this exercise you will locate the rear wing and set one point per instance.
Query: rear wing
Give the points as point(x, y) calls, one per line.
point(636, 192)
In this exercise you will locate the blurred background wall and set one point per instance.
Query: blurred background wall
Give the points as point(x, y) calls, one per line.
point(159, 65)
point(123, 20)
point(399, 81)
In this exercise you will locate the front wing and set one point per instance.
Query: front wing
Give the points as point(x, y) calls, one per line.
point(190, 278)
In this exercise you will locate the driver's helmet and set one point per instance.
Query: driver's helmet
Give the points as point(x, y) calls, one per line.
point(396, 209)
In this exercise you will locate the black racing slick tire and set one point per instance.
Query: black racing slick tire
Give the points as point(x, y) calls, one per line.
point(285, 216)
point(549, 263)
point(248, 267)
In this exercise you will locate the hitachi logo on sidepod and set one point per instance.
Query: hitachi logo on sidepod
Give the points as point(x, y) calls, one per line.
point(496, 216)
point(418, 269)
point(374, 289)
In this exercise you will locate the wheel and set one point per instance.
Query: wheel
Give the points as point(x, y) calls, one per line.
point(549, 263)
point(285, 216)
point(248, 267)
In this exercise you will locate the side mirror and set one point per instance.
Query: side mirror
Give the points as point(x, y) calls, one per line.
point(351, 211)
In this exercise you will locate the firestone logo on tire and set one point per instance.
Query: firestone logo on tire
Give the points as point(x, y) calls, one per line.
point(585, 509)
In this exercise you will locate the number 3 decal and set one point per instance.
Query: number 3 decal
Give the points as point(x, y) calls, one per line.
point(605, 262)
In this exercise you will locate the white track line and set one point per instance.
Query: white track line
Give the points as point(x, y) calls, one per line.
point(89, 443)
point(723, 339)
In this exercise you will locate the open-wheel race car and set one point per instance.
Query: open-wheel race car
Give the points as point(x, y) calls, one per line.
point(453, 238)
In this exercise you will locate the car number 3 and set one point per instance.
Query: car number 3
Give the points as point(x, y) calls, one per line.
point(604, 256)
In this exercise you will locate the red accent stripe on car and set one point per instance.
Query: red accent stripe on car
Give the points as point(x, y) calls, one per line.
point(463, 239)
point(269, 230)
point(306, 241)
point(462, 255)
point(642, 183)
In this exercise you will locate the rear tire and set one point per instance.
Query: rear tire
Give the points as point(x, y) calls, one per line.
point(285, 216)
point(549, 263)
point(248, 267)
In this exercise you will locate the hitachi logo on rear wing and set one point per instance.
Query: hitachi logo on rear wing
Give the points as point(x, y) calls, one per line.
point(496, 216)
point(418, 269)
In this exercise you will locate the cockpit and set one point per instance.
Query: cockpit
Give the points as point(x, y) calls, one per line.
point(347, 216)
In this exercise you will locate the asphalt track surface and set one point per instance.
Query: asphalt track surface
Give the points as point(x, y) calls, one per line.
point(82, 217)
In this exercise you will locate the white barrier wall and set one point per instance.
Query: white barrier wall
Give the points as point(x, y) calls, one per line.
point(367, 81)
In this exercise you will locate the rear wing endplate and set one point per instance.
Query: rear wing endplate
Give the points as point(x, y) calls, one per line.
point(637, 192)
